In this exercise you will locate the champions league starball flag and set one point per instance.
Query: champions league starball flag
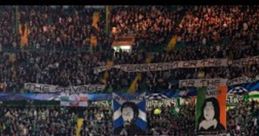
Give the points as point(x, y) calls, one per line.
point(210, 115)
point(129, 117)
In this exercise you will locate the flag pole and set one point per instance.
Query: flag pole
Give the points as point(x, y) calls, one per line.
point(107, 19)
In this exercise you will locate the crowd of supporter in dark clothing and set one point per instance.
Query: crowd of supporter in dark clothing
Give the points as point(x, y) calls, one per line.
point(171, 121)
point(58, 50)
point(243, 119)
point(32, 120)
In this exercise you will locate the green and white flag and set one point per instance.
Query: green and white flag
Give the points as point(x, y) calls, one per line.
point(210, 118)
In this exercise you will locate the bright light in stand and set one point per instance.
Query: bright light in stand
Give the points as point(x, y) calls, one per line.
point(125, 47)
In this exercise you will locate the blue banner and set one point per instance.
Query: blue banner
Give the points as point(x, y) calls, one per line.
point(49, 96)
point(191, 91)
point(248, 86)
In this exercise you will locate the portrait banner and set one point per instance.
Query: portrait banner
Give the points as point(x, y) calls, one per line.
point(129, 114)
point(210, 115)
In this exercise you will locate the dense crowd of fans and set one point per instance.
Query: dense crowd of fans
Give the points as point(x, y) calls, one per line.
point(60, 26)
point(243, 119)
point(55, 120)
point(172, 122)
point(59, 52)
point(152, 26)
point(37, 121)
point(61, 38)
point(30, 120)
point(73, 68)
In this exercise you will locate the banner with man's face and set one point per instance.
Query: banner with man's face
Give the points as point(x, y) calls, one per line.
point(211, 111)
point(129, 117)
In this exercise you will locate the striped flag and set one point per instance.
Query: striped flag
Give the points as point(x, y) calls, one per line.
point(253, 95)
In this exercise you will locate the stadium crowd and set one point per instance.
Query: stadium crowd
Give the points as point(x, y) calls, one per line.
point(58, 50)
point(30, 120)
point(243, 119)
point(170, 121)
point(60, 43)
point(57, 26)
point(39, 121)
point(54, 120)
point(73, 68)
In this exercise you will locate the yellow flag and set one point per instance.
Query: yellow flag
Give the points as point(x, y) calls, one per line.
point(172, 43)
point(134, 85)
point(79, 125)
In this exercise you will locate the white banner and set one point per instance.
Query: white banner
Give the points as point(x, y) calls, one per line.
point(101, 69)
point(34, 87)
point(166, 66)
point(245, 61)
point(202, 82)
point(242, 80)
point(180, 64)
point(216, 81)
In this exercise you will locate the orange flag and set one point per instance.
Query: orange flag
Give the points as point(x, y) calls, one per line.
point(24, 35)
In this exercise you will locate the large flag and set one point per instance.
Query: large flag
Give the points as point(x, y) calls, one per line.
point(211, 111)
point(253, 95)
point(129, 117)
